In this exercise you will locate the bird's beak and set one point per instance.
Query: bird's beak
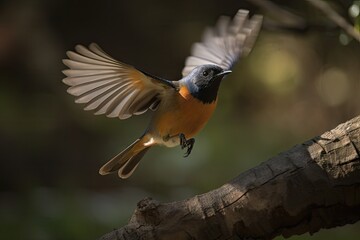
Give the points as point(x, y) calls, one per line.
point(223, 73)
point(226, 72)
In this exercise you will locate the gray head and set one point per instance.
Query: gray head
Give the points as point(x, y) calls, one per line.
point(203, 82)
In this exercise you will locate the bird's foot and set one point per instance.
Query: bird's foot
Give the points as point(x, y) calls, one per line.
point(186, 143)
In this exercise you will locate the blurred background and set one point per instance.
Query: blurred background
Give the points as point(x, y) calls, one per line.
point(300, 80)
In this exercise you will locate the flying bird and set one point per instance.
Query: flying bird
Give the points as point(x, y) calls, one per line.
point(181, 108)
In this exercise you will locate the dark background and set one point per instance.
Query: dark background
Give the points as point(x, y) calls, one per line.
point(294, 85)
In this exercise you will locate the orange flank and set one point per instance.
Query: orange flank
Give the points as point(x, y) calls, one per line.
point(186, 115)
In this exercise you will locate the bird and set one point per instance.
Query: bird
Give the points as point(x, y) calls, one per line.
point(181, 108)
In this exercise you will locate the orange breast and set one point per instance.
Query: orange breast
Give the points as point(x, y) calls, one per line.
point(184, 114)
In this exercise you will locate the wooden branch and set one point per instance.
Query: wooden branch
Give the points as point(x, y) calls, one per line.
point(313, 185)
point(292, 22)
point(336, 18)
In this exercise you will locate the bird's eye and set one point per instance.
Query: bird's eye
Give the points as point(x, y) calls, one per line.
point(205, 73)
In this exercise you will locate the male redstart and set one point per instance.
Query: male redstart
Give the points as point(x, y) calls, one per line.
point(181, 108)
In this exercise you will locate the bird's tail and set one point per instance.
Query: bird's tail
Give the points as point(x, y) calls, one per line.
point(127, 161)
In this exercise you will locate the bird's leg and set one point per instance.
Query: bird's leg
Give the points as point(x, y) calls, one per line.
point(182, 140)
point(186, 143)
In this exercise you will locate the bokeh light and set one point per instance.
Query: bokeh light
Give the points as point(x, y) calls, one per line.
point(278, 69)
point(333, 85)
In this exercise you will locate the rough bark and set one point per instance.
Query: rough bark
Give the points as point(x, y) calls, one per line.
point(313, 185)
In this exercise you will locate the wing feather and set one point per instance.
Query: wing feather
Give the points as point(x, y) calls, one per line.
point(118, 107)
point(94, 101)
point(91, 54)
point(70, 81)
point(142, 103)
point(83, 66)
point(80, 58)
point(108, 86)
point(225, 43)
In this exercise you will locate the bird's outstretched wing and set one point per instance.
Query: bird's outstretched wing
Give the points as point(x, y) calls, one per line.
point(108, 86)
point(226, 42)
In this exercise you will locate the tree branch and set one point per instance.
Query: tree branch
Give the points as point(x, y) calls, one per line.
point(335, 17)
point(292, 22)
point(313, 185)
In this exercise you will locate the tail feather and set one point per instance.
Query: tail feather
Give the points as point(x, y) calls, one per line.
point(126, 170)
point(126, 161)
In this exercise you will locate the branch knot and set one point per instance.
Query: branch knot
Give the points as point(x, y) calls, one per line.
point(147, 212)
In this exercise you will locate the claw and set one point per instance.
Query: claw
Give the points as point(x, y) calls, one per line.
point(186, 143)
point(190, 145)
